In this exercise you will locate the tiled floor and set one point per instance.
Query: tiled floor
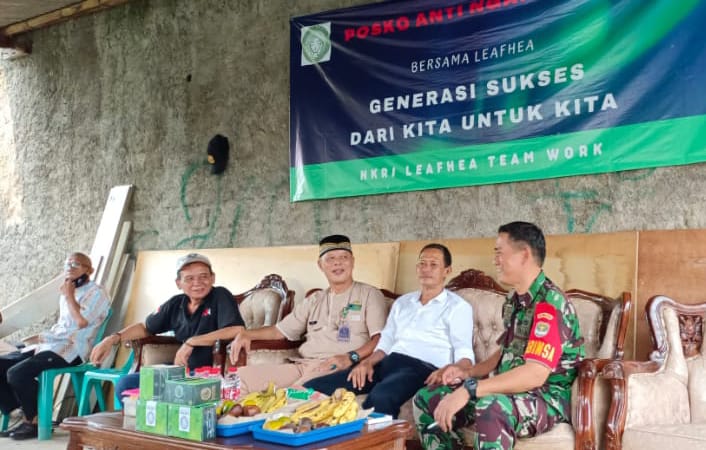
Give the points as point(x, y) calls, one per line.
point(59, 440)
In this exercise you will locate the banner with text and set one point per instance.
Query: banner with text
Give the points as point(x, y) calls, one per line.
point(427, 94)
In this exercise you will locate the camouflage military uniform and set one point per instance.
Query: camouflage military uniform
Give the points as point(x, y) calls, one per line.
point(540, 325)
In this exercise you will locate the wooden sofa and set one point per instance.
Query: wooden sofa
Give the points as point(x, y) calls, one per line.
point(604, 322)
point(661, 403)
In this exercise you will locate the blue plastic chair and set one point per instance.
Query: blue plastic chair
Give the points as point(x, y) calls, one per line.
point(93, 380)
point(45, 401)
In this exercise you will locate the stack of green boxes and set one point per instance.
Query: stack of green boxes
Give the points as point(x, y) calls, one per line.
point(192, 407)
point(173, 405)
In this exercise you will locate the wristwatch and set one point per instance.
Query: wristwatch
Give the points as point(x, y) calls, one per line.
point(354, 356)
point(471, 384)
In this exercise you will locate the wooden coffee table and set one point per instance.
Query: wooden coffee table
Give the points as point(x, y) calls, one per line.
point(105, 431)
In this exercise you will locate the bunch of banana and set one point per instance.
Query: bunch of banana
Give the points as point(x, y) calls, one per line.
point(308, 409)
point(346, 411)
point(276, 401)
point(341, 407)
point(268, 400)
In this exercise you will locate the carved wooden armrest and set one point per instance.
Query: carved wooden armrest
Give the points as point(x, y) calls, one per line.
point(584, 426)
point(274, 344)
point(618, 373)
point(156, 340)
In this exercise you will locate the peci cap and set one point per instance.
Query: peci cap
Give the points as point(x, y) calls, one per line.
point(334, 242)
point(189, 259)
point(218, 153)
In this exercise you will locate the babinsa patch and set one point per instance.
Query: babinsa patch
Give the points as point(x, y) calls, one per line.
point(541, 329)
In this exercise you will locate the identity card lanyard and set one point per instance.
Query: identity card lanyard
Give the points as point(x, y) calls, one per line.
point(344, 331)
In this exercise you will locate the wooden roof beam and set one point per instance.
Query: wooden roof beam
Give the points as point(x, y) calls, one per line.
point(60, 15)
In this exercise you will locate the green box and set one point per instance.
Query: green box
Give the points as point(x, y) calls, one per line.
point(193, 391)
point(197, 423)
point(152, 416)
point(153, 380)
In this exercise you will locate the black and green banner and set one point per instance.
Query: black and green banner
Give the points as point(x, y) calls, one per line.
point(410, 95)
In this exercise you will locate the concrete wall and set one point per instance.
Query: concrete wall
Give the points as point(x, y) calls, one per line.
point(133, 95)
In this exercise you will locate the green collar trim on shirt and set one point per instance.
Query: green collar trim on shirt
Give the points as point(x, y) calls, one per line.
point(529, 297)
point(537, 284)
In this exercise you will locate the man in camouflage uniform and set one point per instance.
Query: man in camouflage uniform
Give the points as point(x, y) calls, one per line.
point(535, 366)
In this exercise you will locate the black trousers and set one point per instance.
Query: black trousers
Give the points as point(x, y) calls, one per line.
point(395, 380)
point(19, 373)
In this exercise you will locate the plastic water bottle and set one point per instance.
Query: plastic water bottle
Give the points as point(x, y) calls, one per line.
point(230, 388)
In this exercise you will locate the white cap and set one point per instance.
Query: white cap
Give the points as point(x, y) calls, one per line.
point(189, 259)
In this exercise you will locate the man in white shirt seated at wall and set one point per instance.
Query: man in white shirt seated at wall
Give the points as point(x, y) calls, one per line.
point(426, 331)
point(83, 306)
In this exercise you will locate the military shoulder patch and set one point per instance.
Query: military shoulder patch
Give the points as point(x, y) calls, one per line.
point(544, 345)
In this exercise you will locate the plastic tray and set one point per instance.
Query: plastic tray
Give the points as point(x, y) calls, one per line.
point(234, 429)
point(297, 439)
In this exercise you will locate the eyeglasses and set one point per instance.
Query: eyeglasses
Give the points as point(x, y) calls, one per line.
point(68, 265)
point(329, 258)
point(201, 277)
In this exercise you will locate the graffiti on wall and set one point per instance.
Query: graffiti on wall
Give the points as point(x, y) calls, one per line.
point(199, 240)
point(216, 213)
point(580, 209)
point(583, 208)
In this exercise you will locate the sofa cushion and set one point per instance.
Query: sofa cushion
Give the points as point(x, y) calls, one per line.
point(159, 354)
point(267, 356)
point(561, 437)
point(610, 340)
point(697, 389)
point(641, 394)
point(406, 411)
point(487, 320)
point(687, 436)
point(590, 320)
point(261, 308)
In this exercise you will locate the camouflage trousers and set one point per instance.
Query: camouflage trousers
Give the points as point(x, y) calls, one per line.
point(499, 419)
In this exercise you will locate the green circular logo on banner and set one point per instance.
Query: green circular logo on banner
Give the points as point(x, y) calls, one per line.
point(316, 43)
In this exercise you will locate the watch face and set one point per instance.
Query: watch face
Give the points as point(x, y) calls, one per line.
point(355, 357)
point(471, 384)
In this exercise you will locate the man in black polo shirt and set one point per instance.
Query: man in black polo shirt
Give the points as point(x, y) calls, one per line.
point(200, 309)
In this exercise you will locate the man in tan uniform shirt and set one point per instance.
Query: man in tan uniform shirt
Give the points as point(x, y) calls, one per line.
point(341, 325)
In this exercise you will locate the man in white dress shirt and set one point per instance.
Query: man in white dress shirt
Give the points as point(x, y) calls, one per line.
point(426, 330)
